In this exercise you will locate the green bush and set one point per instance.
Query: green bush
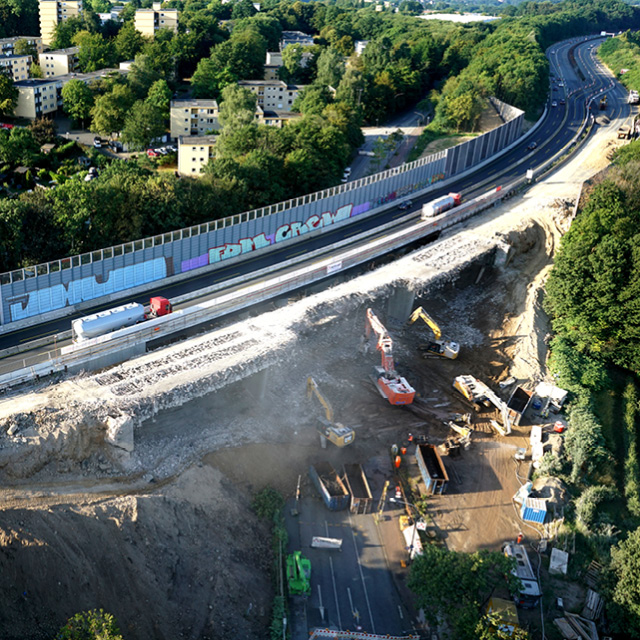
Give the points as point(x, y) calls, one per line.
point(90, 625)
point(588, 511)
point(268, 503)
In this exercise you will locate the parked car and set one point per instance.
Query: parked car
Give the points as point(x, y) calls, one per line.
point(97, 142)
point(115, 146)
point(407, 204)
point(152, 153)
point(161, 151)
point(171, 148)
point(4, 125)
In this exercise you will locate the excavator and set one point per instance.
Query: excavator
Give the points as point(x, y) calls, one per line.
point(298, 574)
point(389, 383)
point(438, 347)
point(478, 393)
point(335, 432)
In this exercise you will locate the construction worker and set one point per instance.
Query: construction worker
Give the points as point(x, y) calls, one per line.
point(410, 438)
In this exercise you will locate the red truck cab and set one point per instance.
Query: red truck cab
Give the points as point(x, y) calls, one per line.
point(159, 306)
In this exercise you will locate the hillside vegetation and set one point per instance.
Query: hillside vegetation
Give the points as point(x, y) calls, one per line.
point(593, 296)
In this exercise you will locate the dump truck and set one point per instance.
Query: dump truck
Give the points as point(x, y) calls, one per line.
point(126, 315)
point(436, 207)
point(518, 403)
point(330, 485)
point(358, 488)
point(431, 468)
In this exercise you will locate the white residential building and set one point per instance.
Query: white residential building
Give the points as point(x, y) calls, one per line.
point(17, 66)
point(273, 95)
point(194, 152)
point(190, 117)
point(59, 62)
point(53, 12)
point(148, 21)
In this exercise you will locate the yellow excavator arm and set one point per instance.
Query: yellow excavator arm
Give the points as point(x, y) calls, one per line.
point(433, 325)
point(312, 389)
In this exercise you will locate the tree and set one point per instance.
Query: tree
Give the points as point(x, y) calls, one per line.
point(624, 586)
point(77, 100)
point(584, 443)
point(90, 625)
point(110, 110)
point(25, 48)
point(291, 58)
point(128, 42)
point(36, 71)
point(43, 130)
point(160, 97)
point(312, 100)
point(143, 124)
point(94, 51)
point(143, 73)
point(243, 9)
point(238, 107)
point(18, 147)
point(330, 68)
point(8, 95)
point(456, 585)
point(64, 32)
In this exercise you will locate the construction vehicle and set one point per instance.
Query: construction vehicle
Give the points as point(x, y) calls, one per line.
point(478, 393)
point(439, 347)
point(436, 207)
point(389, 383)
point(126, 315)
point(298, 574)
point(335, 432)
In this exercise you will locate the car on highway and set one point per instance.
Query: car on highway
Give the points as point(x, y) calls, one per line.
point(554, 104)
point(562, 102)
point(407, 204)
point(532, 146)
point(347, 174)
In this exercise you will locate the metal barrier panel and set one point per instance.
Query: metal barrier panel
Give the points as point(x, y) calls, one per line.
point(41, 289)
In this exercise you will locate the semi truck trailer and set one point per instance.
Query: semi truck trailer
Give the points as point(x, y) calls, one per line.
point(436, 207)
point(126, 315)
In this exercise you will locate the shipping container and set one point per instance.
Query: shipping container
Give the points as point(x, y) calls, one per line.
point(518, 404)
point(358, 487)
point(431, 468)
point(331, 488)
point(533, 510)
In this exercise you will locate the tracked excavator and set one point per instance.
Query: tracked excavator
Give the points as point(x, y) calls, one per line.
point(334, 432)
point(437, 346)
point(389, 383)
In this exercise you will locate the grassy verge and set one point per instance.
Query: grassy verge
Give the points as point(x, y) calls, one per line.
point(430, 133)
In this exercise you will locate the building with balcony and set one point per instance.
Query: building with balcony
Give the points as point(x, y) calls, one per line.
point(7, 45)
point(295, 37)
point(194, 152)
point(52, 12)
point(16, 66)
point(190, 117)
point(36, 98)
point(59, 62)
point(273, 95)
point(275, 118)
point(148, 21)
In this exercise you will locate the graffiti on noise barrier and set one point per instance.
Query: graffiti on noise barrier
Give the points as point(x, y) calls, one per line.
point(60, 295)
point(285, 232)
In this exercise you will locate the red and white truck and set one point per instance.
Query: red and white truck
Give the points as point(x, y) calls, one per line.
point(126, 315)
point(436, 207)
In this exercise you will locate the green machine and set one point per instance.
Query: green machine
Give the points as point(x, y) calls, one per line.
point(298, 574)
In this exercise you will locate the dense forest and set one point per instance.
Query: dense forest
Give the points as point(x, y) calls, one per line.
point(443, 67)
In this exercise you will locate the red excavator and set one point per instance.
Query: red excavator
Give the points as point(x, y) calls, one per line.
point(391, 386)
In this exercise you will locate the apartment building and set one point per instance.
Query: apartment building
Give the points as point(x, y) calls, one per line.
point(148, 21)
point(7, 45)
point(273, 95)
point(295, 37)
point(16, 66)
point(59, 62)
point(53, 12)
point(191, 117)
point(39, 97)
point(36, 98)
point(194, 152)
point(275, 118)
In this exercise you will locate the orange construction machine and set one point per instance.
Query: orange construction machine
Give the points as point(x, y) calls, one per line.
point(391, 386)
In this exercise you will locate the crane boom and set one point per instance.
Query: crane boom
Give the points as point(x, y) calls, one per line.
point(313, 389)
point(391, 386)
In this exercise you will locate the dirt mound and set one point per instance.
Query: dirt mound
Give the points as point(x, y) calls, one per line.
point(188, 561)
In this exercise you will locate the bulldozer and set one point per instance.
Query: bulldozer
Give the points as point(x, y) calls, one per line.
point(437, 346)
point(332, 431)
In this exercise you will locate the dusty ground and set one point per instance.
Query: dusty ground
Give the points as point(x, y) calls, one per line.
point(163, 536)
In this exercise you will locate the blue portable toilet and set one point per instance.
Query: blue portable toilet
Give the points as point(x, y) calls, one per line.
point(533, 510)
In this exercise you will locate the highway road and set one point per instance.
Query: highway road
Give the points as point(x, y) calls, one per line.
point(559, 126)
